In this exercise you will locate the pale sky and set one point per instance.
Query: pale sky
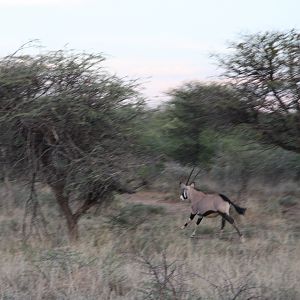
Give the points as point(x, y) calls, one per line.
point(165, 43)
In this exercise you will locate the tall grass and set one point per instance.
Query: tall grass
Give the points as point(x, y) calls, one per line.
point(132, 251)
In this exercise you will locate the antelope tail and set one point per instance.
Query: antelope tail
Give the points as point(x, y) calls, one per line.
point(240, 210)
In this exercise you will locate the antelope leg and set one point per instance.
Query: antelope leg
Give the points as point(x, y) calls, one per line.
point(197, 223)
point(231, 221)
point(222, 224)
point(189, 220)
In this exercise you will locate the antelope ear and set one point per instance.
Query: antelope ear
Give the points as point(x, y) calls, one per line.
point(192, 185)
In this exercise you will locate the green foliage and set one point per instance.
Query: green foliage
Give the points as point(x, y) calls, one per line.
point(66, 122)
point(150, 130)
point(263, 69)
point(240, 158)
point(209, 141)
point(189, 119)
point(64, 109)
point(210, 125)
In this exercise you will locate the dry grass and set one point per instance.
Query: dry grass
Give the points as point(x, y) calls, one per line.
point(124, 256)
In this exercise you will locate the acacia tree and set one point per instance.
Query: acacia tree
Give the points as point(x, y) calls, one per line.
point(264, 70)
point(67, 123)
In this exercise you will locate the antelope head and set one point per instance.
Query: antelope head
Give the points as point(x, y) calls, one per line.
point(184, 194)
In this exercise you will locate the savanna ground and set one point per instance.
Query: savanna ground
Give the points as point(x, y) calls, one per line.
point(134, 249)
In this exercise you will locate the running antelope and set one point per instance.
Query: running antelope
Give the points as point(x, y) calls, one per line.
point(208, 205)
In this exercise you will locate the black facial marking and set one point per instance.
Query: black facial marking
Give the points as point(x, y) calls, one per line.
point(184, 194)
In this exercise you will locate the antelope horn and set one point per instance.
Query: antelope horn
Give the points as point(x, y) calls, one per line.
point(196, 175)
point(187, 182)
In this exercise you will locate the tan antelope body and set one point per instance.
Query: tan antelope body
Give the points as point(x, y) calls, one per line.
point(202, 203)
point(208, 205)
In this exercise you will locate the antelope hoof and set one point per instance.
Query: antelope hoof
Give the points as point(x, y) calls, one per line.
point(193, 235)
point(242, 239)
point(182, 227)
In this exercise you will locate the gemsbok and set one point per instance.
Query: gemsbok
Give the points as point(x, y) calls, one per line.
point(208, 205)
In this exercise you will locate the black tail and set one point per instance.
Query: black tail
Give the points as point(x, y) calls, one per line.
point(240, 210)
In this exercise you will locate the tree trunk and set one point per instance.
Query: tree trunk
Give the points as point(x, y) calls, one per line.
point(10, 195)
point(71, 219)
